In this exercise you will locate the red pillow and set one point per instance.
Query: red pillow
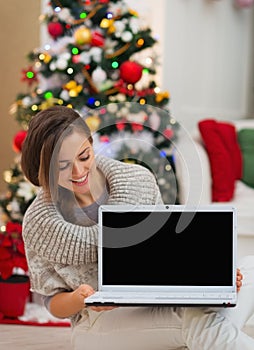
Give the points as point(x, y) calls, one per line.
point(220, 140)
point(228, 134)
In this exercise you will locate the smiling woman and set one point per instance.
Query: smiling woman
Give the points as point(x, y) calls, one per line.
point(60, 232)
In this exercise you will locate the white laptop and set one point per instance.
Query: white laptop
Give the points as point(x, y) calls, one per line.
point(166, 255)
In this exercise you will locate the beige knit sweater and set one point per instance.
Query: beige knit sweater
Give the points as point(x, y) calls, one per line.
point(61, 255)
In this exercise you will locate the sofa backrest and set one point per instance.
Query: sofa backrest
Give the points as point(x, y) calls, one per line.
point(193, 169)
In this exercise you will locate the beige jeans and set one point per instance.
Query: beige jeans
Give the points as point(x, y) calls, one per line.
point(165, 328)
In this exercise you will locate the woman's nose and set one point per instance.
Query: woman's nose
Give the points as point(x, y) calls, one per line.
point(77, 169)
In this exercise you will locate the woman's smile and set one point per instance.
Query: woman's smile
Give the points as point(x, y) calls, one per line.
point(81, 181)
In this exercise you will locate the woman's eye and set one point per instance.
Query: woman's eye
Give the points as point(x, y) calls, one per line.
point(64, 166)
point(84, 158)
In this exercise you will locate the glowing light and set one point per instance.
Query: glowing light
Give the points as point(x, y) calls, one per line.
point(157, 90)
point(91, 101)
point(47, 47)
point(140, 42)
point(60, 102)
point(30, 75)
point(97, 103)
point(163, 154)
point(48, 95)
point(149, 61)
point(2, 228)
point(115, 65)
point(109, 15)
point(34, 108)
point(142, 101)
point(83, 15)
point(168, 167)
point(75, 51)
point(41, 57)
point(70, 70)
point(146, 71)
point(57, 9)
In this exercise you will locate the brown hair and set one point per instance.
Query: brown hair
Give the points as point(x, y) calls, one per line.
point(40, 150)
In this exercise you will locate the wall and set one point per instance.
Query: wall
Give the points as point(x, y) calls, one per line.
point(209, 60)
point(207, 57)
point(19, 34)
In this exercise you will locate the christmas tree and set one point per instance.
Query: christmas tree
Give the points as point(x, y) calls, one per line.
point(100, 59)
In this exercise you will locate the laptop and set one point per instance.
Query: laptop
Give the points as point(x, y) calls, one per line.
point(166, 255)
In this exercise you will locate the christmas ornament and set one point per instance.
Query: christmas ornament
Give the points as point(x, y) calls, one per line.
point(83, 36)
point(55, 29)
point(99, 76)
point(73, 88)
point(244, 3)
point(93, 122)
point(130, 72)
point(97, 39)
point(18, 140)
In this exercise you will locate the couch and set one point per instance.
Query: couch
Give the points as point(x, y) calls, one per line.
point(193, 171)
point(194, 177)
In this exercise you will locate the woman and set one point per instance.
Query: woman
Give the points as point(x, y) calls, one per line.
point(60, 234)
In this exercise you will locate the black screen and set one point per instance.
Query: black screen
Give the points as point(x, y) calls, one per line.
point(161, 248)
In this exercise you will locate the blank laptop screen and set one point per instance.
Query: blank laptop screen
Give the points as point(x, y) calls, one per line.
point(150, 248)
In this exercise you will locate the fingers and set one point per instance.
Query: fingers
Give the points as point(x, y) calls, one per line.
point(239, 278)
point(102, 308)
point(86, 290)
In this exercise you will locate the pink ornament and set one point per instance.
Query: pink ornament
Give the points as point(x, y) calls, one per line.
point(76, 59)
point(244, 3)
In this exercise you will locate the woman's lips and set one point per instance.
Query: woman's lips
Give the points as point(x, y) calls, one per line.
point(80, 182)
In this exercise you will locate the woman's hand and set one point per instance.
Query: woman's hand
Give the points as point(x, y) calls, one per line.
point(84, 291)
point(239, 278)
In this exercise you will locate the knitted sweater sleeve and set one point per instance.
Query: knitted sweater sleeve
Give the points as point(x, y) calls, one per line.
point(47, 234)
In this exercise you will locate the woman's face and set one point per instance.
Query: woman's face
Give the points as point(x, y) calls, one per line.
point(76, 164)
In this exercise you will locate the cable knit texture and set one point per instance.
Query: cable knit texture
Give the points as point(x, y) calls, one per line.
point(62, 255)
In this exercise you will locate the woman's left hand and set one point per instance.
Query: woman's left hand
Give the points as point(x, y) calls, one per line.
point(239, 278)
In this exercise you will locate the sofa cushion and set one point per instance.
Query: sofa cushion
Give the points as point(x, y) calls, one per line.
point(220, 140)
point(246, 142)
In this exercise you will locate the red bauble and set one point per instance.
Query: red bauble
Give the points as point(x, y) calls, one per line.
point(130, 72)
point(18, 140)
point(97, 39)
point(55, 29)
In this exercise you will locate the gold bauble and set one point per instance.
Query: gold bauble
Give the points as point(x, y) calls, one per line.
point(93, 123)
point(83, 36)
